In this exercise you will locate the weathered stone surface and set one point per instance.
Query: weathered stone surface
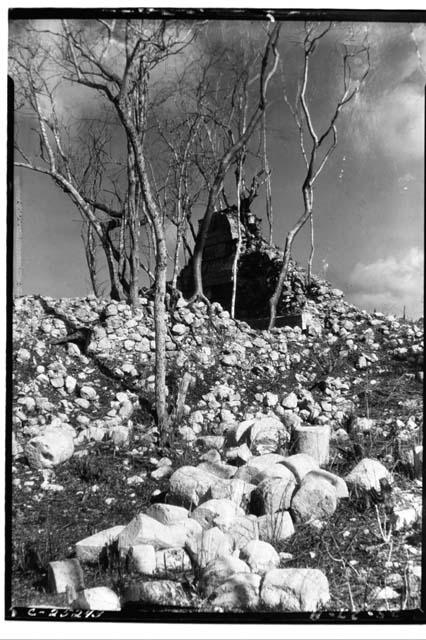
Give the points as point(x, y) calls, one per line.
point(367, 475)
point(156, 592)
point(256, 464)
point(143, 558)
point(242, 530)
point(274, 471)
point(239, 592)
point(260, 556)
point(241, 454)
point(290, 401)
point(314, 441)
point(167, 513)
point(218, 571)
point(215, 512)
point(213, 543)
point(234, 489)
point(145, 530)
point(276, 527)
point(315, 499)
point(97, 599)
point(300, 464)
point(294, 590)
point(172, 560)
point(273, 494)
point(88, 549)
point(267, 435)
point(218, 469)
point(64, 574)
point(50, 449)
point(189, 486)
point(338, 483)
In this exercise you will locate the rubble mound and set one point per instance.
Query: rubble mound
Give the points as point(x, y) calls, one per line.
point(279, 432)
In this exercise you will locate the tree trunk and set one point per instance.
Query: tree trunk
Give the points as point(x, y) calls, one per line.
point(273, 302)
point(116, 288)
point(160, 336)
point(311, 254)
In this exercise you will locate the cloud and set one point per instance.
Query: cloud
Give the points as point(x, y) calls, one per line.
point(390, 283)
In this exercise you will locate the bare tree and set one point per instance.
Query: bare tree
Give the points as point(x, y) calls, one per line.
point(232, 146)
point(322, 144)
point(113, 60)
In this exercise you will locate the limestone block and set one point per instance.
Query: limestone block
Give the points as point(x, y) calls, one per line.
point(156, 592)
point(300, 464)
point(97, 599)
point(273, 494)
point(216, 511)
point(218, 571)
point(212, 544)
point(260, 556)
point(189, 486)
point(172, 560)
point(338, 483)
point(88, 549)
point(367, 475)
point(294, 590)
point(143, 558)
point(315, 499)
point(167, 513)
point(239, 592)
point(65, 574)
point(315, 441)
point(145, 530)
point(275, 527)
point(50, 449)
point(234, 489)
point(242, 530)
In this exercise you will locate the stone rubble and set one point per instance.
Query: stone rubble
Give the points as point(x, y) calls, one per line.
point(260, 475)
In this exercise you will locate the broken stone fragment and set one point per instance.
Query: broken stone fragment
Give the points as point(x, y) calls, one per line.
point(97, 599)
point(338, 483)
point(239, 455)
point(88, 549)
point(239, 592)
point(189, 486)
point(260, 556)
point(267, 435)
point(276, 527)
point(65, 574)
point(273, 494)
point(367, 474)
point(300, 464)
point(156, 592)
point(218, 571)
point(242, 530)
point(216, 511)
point(289, 401)
point(143, 558)
point(145, 530)
point(274, 471)
point(315, 499)
point(218, 469)
point(234, 489)
point(294, 590)
point(167, 513)
point(314, 441)
point(50, 449)
point(172, 560)
point(213, 543)
point(88, 393)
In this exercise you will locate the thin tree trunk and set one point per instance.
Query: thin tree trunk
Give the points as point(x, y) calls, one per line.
point(311, 255)
point(238, 248)
point(90, 251)
point(273, 302)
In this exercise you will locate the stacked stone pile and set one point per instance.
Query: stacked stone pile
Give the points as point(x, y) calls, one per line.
point(263, 452)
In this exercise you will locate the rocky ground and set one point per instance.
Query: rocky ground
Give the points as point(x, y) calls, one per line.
point(290, 479)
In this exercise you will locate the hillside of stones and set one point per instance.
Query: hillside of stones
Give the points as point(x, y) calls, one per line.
point(289, 480)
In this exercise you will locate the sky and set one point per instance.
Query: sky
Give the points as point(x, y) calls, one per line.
point(368, 201)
